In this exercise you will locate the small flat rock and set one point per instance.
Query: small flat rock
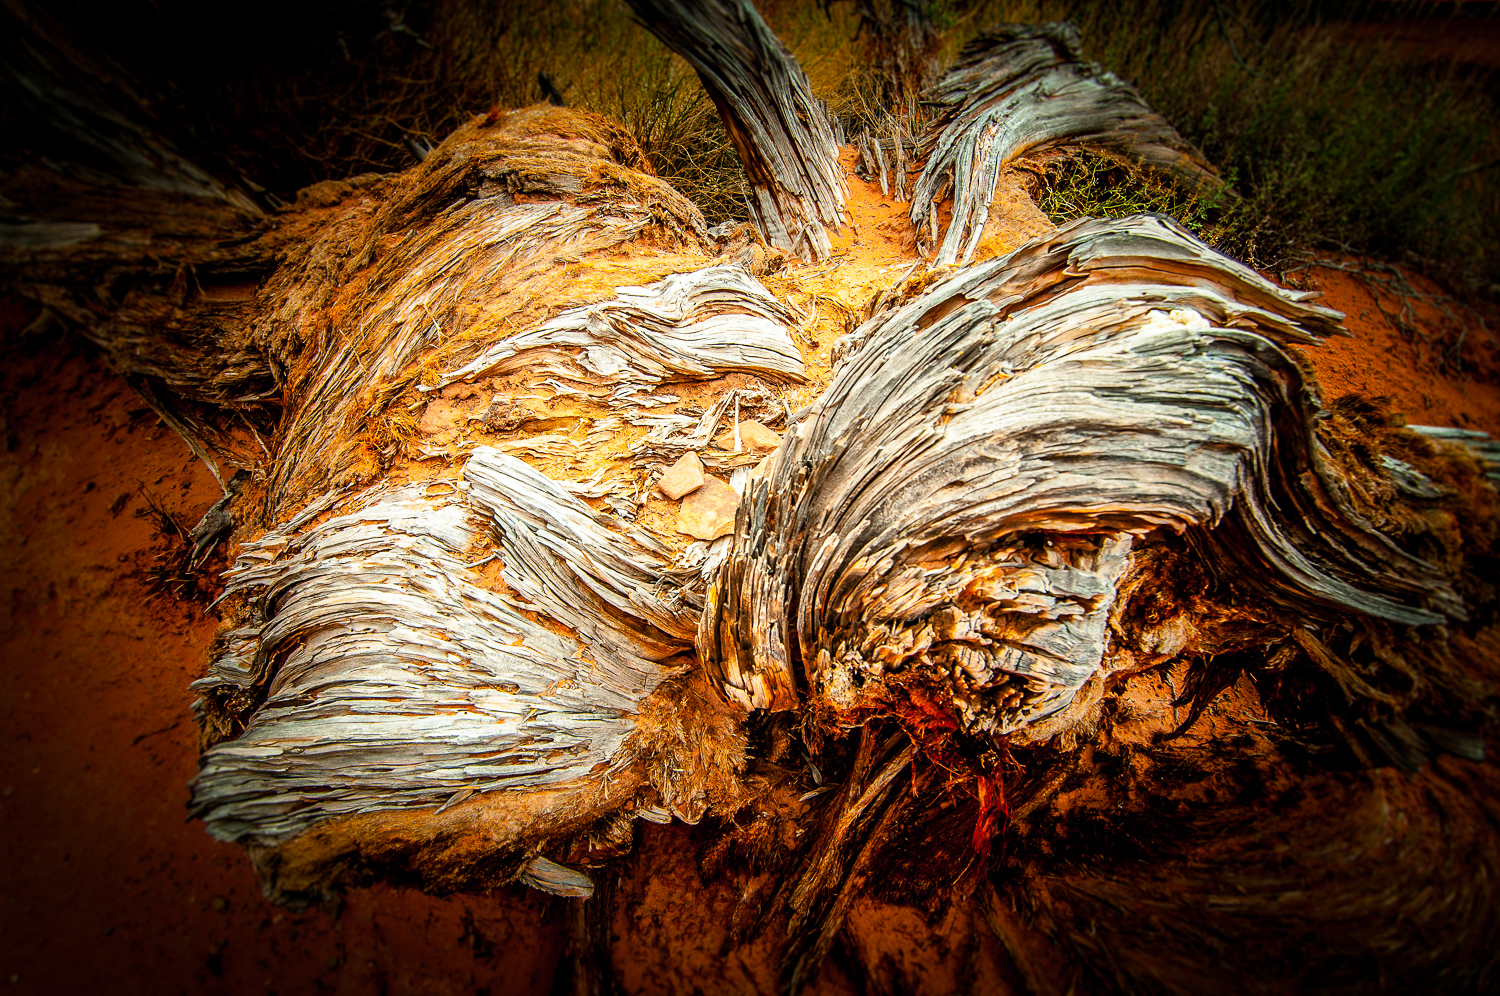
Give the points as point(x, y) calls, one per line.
point(683, 477)
point(754, 438)
point(708, 512)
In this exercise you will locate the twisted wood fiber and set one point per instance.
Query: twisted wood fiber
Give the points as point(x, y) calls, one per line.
point(1023, 90)
point(957, 507)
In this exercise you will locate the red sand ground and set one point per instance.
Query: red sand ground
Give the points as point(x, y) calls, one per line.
point(1378, 361)
point(105, 885)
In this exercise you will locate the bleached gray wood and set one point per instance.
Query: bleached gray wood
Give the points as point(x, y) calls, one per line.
point(564, 558)
point(394, 679)
point(781, 131)
point(484, 240)
point(690, 326)
point(1022, 90)
point(958, 504)
point(560, 880)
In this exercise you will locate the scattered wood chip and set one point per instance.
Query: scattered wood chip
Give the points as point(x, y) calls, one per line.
point(504, 415)
point(560, 880)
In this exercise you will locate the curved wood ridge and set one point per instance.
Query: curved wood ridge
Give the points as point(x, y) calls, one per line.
point(780, 130)
point(689, 326)
point(379, 662)
point(392, 678)
point(474, 240)
point(1022, 90)
point(958, 508)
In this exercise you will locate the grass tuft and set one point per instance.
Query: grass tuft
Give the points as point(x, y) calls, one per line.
point(1334, 137)
point(1089, 184)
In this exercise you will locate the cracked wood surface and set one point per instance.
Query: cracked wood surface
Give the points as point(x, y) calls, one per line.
point(956, 509)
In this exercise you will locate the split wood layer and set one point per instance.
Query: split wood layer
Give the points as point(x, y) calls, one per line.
point(956, 509)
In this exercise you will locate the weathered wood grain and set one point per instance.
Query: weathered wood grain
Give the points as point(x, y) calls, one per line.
point(1030, 480)
point(780, 130)
point(691, 326)
point(1022, 90)
point(392, 678)
point(957, 508)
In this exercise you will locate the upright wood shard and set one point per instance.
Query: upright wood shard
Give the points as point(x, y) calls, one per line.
point(955, 511)
point(780, 130)
point(1025, 89)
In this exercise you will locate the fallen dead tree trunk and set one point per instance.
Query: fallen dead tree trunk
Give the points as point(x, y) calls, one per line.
point(933, 664)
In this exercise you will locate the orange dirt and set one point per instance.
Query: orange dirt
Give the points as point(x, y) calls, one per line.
point(107, 887)
point(1379, 361)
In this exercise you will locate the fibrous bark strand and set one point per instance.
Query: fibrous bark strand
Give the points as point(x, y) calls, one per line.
point(957, 507)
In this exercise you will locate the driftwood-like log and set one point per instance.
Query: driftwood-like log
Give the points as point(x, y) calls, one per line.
point(1024, 90)
point(369, 684)
point(780, 130)
point(1032, 494)
point(956, 512)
